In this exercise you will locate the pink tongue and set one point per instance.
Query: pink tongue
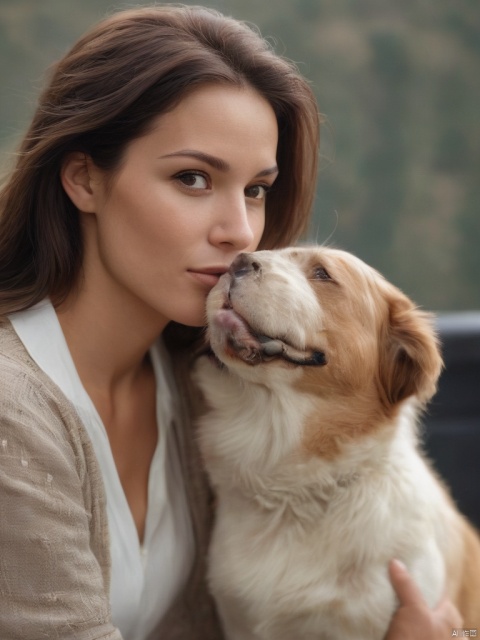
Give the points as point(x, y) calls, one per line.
point(235, 326)
point(231, 322)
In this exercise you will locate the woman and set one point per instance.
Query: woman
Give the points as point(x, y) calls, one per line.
point(144, 173)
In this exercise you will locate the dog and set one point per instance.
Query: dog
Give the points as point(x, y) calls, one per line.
point(319, 371)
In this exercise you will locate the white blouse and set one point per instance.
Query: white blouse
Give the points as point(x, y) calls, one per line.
point(146, 578)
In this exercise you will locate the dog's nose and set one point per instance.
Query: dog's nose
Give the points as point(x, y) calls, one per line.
point(245, 264)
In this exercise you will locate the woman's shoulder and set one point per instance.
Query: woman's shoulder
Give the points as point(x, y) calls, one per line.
point(32, 407)
point(21, 377)
point(14, 358)
point(11, 348)
point(49, 468)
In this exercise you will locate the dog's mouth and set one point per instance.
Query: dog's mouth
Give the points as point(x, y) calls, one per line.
point(231, 334)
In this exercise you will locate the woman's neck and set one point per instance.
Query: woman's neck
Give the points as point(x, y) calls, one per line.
point(108, 339)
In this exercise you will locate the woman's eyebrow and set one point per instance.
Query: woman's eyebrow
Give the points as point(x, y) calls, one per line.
point(213, 161)
point(268, 172)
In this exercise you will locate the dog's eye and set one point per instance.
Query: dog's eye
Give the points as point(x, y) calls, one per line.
point(320, 273)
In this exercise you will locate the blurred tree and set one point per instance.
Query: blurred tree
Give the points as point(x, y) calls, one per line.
point(385, 161)
point(399, 84)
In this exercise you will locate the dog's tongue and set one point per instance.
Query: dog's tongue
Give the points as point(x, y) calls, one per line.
point(236, 327)
point(257, 348)
point(239, 334)
point(233, 324)
point(243, 341)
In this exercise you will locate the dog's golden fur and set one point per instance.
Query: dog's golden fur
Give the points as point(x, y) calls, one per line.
point(311, 445)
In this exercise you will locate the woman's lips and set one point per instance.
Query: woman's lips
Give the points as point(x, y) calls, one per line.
point(207, 277)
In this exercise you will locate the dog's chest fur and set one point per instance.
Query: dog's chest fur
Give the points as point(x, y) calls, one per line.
point(301, 545)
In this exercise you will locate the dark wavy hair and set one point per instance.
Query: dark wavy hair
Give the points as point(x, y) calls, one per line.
point(104, 93)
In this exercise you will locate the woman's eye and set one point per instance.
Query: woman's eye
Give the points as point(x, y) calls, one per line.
point(193, 180)
point(257, 191)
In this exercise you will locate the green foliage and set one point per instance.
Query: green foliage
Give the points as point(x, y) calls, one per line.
point(399, 85)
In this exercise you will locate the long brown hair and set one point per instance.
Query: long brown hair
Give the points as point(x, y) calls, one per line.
point(104, 93)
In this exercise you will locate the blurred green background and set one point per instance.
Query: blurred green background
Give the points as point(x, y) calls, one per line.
point(398, 82)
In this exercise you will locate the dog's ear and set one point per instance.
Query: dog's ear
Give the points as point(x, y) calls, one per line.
point(410, 360)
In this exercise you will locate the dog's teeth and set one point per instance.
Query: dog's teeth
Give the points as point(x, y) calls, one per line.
point(272, 347)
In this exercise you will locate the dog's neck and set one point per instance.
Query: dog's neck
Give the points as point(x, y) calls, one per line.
point(293, 499)
point(252, 442)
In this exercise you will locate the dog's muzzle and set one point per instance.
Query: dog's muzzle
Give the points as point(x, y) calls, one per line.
point(248, 345)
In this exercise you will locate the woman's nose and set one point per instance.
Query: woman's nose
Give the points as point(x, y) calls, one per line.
point(236, 226)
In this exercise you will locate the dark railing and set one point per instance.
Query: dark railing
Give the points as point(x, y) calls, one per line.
point(452, 423)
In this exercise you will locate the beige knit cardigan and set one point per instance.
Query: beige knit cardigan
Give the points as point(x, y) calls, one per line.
point(54, 545)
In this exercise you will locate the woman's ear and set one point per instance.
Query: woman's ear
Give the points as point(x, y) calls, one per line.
point(77, 177)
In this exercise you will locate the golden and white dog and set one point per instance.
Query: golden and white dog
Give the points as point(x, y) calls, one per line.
point(311, 446)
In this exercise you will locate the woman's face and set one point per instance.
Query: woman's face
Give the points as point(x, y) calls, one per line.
point(187, 198)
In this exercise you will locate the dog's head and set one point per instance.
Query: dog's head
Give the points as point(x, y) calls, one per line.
point(323, 321)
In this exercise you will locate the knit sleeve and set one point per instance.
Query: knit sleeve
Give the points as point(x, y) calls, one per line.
point(52, 582)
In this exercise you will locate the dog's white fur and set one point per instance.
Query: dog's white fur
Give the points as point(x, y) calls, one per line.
point(316, 466)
